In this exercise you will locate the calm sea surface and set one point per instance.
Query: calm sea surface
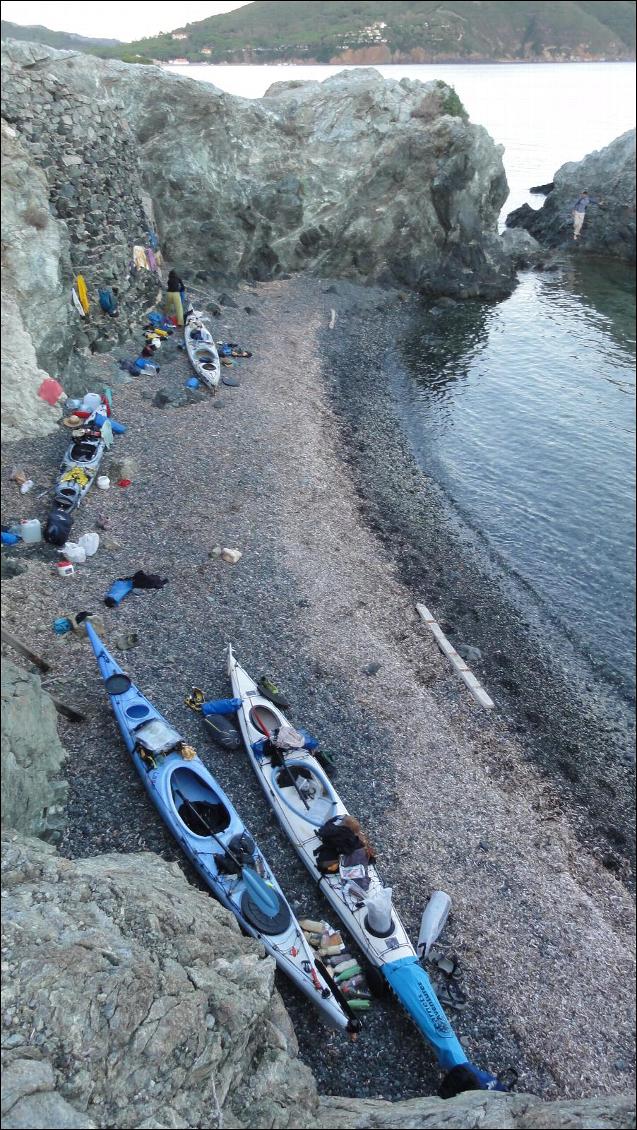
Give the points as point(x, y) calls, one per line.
point(524, 412)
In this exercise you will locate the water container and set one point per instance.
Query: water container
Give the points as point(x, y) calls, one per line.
point(91, 402)
point(31, 531)
point(433, 920)
point(89, 543)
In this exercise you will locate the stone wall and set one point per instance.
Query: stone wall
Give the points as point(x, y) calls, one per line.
point(74, 140)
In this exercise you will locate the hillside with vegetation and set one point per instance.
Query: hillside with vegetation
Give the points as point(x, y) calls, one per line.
point(391, 31)
point(62, 40)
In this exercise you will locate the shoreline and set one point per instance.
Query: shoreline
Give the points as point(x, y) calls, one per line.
point(450, 799)
point(572, 722)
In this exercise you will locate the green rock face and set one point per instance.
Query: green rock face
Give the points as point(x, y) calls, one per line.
point(33, 792)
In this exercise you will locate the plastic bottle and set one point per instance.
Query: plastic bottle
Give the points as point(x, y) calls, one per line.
point(91, 402)
point(31, 531)
point(89, 543)
point(432, 922)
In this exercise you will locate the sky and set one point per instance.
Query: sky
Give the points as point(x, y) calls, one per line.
point(117, 19)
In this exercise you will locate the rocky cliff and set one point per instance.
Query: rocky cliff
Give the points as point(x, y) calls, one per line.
point(609, 176)
point(33, 790)
point(131, 999)
point(358, 176)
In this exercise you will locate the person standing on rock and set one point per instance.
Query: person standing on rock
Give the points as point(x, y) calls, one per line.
point(579, 211)
point(175, 298)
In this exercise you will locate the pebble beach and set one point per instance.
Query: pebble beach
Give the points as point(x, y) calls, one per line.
point(323, 601)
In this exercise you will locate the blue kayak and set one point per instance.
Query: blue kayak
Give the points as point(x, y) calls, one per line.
point(213, 836)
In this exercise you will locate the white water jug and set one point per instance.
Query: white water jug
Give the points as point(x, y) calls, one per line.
point(31, 531)
point(91, 402)
point(433, 921)
point(89, 543)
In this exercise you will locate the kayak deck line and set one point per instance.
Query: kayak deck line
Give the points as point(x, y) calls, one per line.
point(457, 662)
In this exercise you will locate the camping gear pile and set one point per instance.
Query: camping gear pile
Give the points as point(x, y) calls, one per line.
point(343, 966)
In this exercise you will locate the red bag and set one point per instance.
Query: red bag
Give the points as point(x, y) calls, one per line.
point(50, 391)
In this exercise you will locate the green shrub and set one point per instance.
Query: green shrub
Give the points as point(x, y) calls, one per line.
point(450, 102)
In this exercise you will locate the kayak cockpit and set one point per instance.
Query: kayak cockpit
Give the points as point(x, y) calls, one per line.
point(264, 720)
point(305, 790)
point(197, 805)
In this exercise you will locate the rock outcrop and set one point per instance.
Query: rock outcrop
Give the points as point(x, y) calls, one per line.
point(35, 316)
point(609, 176)
point(132, 999)
point(33, 790)
point(358, 175)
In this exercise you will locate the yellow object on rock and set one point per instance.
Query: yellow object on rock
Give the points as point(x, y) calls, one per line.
point(82, 293)
point(139, 258)
point(173, 307)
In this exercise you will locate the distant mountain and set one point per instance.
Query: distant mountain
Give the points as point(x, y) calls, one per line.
point(392, 31)
point(63, 40)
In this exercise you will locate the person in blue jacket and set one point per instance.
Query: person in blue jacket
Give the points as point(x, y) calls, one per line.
point(579, 211)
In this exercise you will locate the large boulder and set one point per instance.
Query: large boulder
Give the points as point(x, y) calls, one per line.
point(609, 176)
point(35, 314)
point(367, 177)
point(132, 999)
point(359, 176)
point(33, 790)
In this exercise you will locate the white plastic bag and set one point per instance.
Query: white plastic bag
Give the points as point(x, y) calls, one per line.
point(379, 911)
point(89, 543)
point(74, 552)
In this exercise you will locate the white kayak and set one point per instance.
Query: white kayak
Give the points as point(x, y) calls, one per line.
point(202, 351)
point(303, 799)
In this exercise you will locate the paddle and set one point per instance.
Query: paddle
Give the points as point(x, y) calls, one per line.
point(263, 894)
